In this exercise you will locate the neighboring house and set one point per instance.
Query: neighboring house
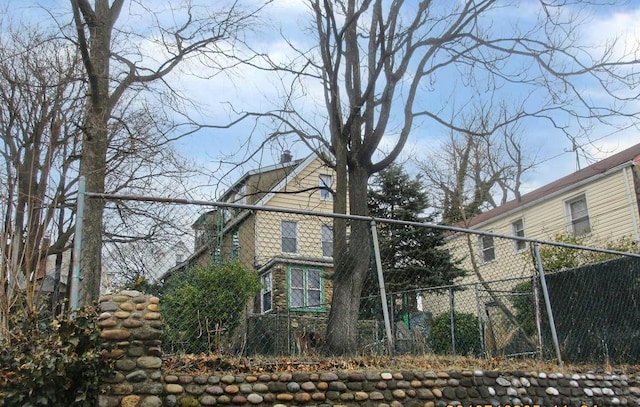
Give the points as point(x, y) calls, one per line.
point(292, 253)
point(598, 203)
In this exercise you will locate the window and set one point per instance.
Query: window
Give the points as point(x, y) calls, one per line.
point(179, 258)
point(579, 216)
point(326, 184)
point(517, 229)
point(305, 288)
point(265, 293)
point(327, 240)
point(289, 231)
point(235, 246)
point(487, 248)
point(241, 195)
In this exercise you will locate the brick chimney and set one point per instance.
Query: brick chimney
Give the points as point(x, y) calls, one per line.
point(286, 157)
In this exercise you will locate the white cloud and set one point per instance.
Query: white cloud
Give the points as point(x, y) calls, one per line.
point(618, 30)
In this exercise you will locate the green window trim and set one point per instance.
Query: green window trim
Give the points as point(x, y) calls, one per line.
point(305, 289)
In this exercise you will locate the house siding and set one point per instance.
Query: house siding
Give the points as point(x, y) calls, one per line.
point(306, 181)
point(613, 214)
point(268, 224)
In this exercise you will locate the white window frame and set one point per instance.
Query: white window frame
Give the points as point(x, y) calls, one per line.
point(572, 221)
point(488, 249)
point(266, 281)
point(518, 245)
point(326, 231)
point(325, 188)
point(235, 245)
point(283, 237)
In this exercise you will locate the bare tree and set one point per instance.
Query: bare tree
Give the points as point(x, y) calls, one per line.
point(196, 33)
point(39, 145)
point(377, 63)
point(475, 171)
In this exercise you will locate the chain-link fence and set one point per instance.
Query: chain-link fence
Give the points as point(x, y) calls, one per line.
point(253, 280)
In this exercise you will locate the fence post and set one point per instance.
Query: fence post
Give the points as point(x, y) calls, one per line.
point(77, 246)
point(383, 293)
point(547, 302)
point(538, 313)
point(452, 320)
point(480, 320)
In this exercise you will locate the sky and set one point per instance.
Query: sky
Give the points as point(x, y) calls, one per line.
point(554, 152)
point(252, 90)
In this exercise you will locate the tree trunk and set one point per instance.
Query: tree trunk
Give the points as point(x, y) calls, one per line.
point(352, 259)
point(94, 152)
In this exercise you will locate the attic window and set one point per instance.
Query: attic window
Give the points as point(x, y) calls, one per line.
point(325, 183)
point(578, 212)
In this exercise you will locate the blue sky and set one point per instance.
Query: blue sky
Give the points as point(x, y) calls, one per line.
point(248, 89)
point(254, 90)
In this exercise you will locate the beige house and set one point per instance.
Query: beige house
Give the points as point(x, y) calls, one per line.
point(598, 204)
point(292, 253)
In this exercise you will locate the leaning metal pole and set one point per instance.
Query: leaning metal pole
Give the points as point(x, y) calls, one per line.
point(383, 293)
point(77, 247)
point(547, 302)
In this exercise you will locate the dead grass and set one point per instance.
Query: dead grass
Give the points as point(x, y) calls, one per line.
point(209, 363)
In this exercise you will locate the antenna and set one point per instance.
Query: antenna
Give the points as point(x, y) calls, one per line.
point(574, 149)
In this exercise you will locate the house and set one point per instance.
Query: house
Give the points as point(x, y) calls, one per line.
point(292, 252)
point(597, 204)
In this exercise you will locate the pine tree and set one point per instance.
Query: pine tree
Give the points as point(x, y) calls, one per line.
point(412, 257)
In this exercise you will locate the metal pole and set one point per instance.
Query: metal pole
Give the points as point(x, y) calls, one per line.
point(383, 293)
point(480, 320)
point(538, 314)
point(77, 246)
point(547, 302)
point(452, 319)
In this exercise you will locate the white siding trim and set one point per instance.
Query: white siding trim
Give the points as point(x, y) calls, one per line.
point(633, 210)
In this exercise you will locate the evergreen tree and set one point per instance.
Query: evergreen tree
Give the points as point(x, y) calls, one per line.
point(412, 257)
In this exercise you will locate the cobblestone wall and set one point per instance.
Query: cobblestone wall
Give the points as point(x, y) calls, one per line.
point(428, 389)
point(131, 327)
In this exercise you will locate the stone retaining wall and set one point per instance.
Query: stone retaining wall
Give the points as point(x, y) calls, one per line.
point(131, 327)
point(429, 389)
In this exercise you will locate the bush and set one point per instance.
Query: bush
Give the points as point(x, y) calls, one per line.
point(52, 362)
point(203, 306)
point(467, 334)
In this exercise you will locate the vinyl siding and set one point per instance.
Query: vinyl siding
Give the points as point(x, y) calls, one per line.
point(610, 214)
point(268, 224)
point(307, 182)
point(613, 214)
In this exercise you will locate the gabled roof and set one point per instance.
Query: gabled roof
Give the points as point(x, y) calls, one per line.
point(262, 170)
point(585, 175)
point(302, 164)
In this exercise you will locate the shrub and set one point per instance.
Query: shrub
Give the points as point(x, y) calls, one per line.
point(52, 362)
point(467, 334)
point(203, 306)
